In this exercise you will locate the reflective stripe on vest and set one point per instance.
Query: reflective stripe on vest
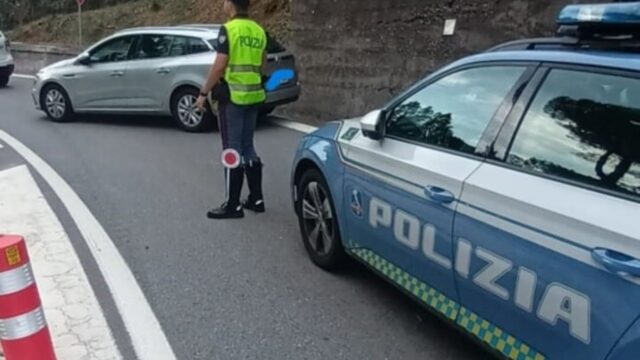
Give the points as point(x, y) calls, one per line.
point(247, 43)
point(245, 68)
point(245, 88)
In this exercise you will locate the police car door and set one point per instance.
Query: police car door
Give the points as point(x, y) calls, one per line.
point(548, 235)
point(401, 192)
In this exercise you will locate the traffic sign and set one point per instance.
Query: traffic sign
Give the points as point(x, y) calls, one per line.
point(81, 2)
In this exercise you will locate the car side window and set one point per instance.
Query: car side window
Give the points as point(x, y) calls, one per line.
point(197, 46)
point(154, 46)
point(583, 127)
point(180, 46)
point(113, 51)
point(454, 111)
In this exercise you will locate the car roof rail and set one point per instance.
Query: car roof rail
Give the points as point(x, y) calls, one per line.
point(568, 43)
point(535, 44)
point(168, 28)
point(201, 26)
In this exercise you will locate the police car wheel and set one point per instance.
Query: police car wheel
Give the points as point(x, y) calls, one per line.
point(318, 222)
point(185, 113)
point(56, 103)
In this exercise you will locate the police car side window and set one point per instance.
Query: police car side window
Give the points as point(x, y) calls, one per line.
point(583, 127)
point(453, 112)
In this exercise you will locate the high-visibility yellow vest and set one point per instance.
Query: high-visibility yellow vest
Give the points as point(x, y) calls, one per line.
point(247, 43)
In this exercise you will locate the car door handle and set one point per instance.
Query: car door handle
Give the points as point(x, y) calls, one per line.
point(439, 194)
point(163, 71)
point(617, 262)
point(117, 73)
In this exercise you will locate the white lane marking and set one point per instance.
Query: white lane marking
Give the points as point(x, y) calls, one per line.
point(1, 146)
point(295, 126)
point(24, 76)
point(77, 324)
point(149, 341)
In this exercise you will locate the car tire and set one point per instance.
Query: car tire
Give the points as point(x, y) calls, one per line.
point(4, 81)
point(322, 241)
point(186, 116)
point(56, 103)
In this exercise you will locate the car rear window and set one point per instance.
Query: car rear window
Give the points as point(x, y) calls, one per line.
point(197, 46)
point(583, 127)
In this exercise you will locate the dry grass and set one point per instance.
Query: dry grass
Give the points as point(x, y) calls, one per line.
point(274, 15)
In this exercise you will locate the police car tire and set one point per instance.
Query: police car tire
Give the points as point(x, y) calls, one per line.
point(336, 257)
point(68, 114)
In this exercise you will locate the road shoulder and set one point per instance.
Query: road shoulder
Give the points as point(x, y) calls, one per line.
point(78, 327)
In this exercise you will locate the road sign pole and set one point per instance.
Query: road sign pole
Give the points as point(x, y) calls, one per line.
point(80, 24)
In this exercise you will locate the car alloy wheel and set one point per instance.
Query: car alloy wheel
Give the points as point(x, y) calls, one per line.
point(55, 103)
point(318, 219)
point(188, 114)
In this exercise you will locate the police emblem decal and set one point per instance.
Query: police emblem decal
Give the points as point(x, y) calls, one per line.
point(356, 203)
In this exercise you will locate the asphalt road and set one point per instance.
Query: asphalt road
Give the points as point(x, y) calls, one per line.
point(222, 290)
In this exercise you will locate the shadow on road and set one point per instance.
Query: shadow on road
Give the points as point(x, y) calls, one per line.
point(413, 315)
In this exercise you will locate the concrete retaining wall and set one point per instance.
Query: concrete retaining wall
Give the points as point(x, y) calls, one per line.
point(30, 58)
point(354, 55)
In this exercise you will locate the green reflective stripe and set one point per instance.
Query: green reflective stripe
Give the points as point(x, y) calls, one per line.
point(245, 88)
point(488, 333)
point(245, 68)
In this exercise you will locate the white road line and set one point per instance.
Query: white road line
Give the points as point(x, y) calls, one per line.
point(76, 322)
point(23, 76)
point(295, 126)
point(149, 341)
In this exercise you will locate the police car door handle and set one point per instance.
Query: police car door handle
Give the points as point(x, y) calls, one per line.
point(616, 262)
point(439, 194)
point(163, 71)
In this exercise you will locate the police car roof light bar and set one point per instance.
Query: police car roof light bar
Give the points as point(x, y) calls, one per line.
point(613, 21)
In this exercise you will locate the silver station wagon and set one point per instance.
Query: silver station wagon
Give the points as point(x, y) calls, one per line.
point(151, 70)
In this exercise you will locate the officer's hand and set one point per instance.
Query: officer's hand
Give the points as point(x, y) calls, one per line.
point(200, 103)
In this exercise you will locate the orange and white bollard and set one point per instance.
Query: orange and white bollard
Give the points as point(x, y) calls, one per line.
point(23, 329)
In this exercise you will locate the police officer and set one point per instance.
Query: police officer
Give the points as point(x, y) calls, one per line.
point(241, 53)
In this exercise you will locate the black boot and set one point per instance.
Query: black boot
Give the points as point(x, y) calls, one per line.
point(255, 201)
point(231, 209)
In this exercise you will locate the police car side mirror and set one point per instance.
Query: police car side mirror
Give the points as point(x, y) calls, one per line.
point(372, 124)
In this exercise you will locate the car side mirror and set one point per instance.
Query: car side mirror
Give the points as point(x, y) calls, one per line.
point(373, 124)
point(83, 59)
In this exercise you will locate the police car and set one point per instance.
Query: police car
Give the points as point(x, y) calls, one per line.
point(502, 192)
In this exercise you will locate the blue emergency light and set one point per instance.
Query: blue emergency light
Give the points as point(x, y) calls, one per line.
point(622, 13)
point(618, 21)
